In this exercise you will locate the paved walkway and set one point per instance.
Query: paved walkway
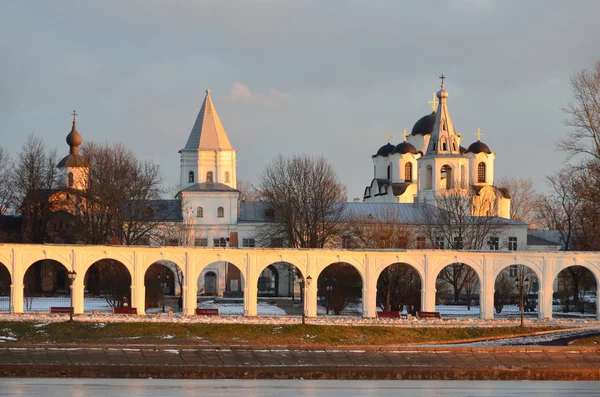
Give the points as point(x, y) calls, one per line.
point(430, 363)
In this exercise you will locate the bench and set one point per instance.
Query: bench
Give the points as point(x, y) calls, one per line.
point(60, 310)
point(125, 310)
point(207, 312)
point(429, 315)
point(388, 314)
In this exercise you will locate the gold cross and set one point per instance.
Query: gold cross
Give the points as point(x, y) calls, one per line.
point(434, 102)
point(73, 114)
point(388, 136)
point(405, 135)
point(479, 134)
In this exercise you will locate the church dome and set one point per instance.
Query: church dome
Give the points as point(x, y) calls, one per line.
point(424, 125)
point(479, 147)
point(385, 150)
point(404, 148)
point(74, 139)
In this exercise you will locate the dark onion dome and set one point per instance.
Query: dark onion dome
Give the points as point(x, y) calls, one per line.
point(479, 147)
point(424, 125)
point(404, 148)
point(385, 150)
point(463, 150)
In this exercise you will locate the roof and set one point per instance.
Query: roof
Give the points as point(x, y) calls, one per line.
point(405, 147)
point(424, 125)
point(254, 211)
point(479, 147)
point(73, 160)
point(535, 240)
point(208, 132)
point(209, 187)
point(161, 210)
point(385, 150)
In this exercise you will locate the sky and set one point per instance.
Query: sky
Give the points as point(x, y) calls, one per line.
point(325, 78)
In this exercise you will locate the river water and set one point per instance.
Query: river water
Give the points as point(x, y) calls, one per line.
point(268, 388)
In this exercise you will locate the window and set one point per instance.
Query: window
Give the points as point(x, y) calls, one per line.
point(220, 242)
point(458, 243)
point(209, 177)
point(248, 242)
point(389, 171)
point(512, 243)
point(481, 172)
point(429, 177)
point(220, 212)
point(270, 212)
point(444, 145)
point(191, 177)
point(420, 242)
point(513, 271)
point(148, 212)
point(446, 176)
point(439, 243)
point(408, 172)
point(226, 177)
point(70, 179)
point(199, 212)
point(494, 243)
point(201, 242)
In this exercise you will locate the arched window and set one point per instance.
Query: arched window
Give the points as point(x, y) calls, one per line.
point(226, 176)
point(389, 171)
point(199, 212)
point(446, 176)
point(429, 178)
point(444, 145)
point(70, 179)
point(220, 212)
point(209, 176)
point(191, 177)
point(408, 172)
point(463, 176)
point(481, 172)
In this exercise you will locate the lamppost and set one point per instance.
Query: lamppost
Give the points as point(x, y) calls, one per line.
point(71, 275)
point(303, 292)
point(328, 288)
point(163, 282)
point(522, 283)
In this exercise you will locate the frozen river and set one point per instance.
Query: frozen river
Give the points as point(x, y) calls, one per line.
point(268, 388)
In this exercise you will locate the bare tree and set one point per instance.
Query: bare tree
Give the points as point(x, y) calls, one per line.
point(6, 186)
point(34, 177)
point(307, 201)
point(583, 114)
point(525, 203)
point(247, 191)
point(561, 206)
point(382, 229)
point(122, 198)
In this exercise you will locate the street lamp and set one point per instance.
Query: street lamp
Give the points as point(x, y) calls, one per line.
point(71, 275)
point(163, 283)
point(303, 292)
point(328, 288)
point(522, 283)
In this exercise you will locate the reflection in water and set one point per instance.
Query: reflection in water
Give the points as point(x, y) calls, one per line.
point(268, 388)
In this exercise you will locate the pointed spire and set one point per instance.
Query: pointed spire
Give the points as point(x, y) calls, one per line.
point(74, 138)
point(208, 132)
point(444, 139)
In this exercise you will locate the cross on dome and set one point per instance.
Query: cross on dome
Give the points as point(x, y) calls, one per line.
point(479, 134)
point(388, 136)
point(74, 114)
point(433, 102)
point(442, 77)
point(405, 135)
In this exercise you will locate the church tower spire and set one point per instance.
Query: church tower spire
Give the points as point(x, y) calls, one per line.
point(444, 139)
point(74, 168)
point(208, 156)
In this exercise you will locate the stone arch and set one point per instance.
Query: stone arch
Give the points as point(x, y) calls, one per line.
point(509, 279)
point(399, 287)
point(355, 263)
point(286, 297)
point(46, 285)
point(107, 284)
point(163, 282)
point(51, 256)
point(533, 266)
point(340, 288)
point(415, 265)
point(575, 288)
point(123, 260)
point(231, 283)
point(458, 288)
point(5, 283)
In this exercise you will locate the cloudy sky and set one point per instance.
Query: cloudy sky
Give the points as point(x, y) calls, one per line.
point(318, 77)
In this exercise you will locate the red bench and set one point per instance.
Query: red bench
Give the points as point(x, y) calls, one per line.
point(125, 310)
point(429, 315)
point(388, 314)
point(207, 312)
point(60, 310)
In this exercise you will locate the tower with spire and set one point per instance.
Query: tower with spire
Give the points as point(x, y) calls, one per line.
point(73, 169)
point(208, 156)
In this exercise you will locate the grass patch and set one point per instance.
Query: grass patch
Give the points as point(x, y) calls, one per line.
point(239, 334)
point(588, 341)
